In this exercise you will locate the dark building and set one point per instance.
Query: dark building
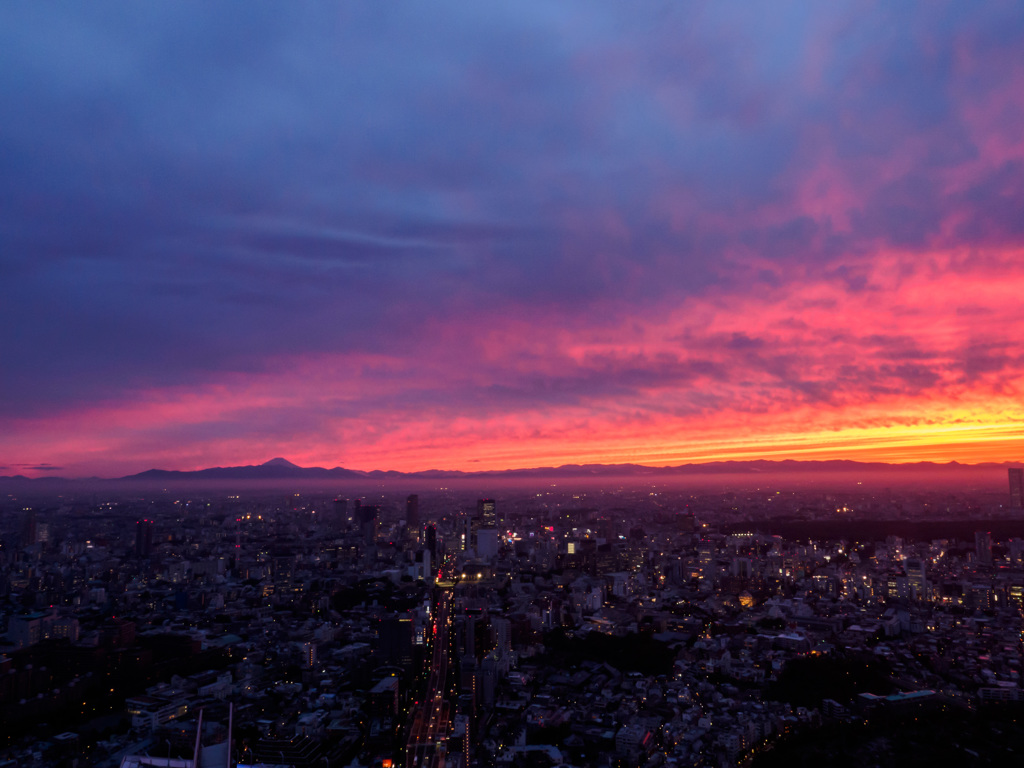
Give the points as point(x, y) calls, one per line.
point(687, 522)
point(412, 512)
point(30, 529)
point(395, 637)
point(366, 516)
point(341, 510)
point(465, 636)
point(983, 547)
point(486, 510)
point(143, 538)
point(1016, 487)
point(382, 701)
point(430, 541)
point(383, 709)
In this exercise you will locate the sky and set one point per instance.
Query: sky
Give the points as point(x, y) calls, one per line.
point(509, 234)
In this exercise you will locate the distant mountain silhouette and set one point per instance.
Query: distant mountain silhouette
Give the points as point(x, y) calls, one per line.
point(282, 469)
point(279, 462)
point(275, 469)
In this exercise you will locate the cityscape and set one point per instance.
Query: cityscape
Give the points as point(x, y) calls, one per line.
point(511, 384)
point(631, 624)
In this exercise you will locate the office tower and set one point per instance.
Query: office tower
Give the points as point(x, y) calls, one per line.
point(706, 557)
point(486, 510)
point(366, 516)
point(917, 573)
point(412, 512)
point(30, 529)
point(143, 538)
point(340, 511)
point(431, 541)
point(983, 547)
point(1017, 551)
point(502, 636)
point(742, 567)
point(487, 542)
point(309, 654)
point(467, 535)
point(1016, 487)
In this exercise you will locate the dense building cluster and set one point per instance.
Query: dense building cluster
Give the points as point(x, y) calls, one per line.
point(619, 627)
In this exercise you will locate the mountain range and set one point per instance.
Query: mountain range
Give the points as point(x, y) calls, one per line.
point(282, 469)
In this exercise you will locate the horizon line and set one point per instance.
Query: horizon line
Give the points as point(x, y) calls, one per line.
point(42, 467)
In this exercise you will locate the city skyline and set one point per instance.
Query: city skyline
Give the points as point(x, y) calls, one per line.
point(508, 237)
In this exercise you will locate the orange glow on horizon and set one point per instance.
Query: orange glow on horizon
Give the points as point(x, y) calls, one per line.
point(917, 366)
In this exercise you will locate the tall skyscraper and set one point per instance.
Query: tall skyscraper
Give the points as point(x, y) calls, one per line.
point(469, 526)
point(367, 515)
point(412, 512)
point(983, 547)
point(30, 529)
point(1016, 487)
point(143, 538)
point(430, 539)
point(502, 636)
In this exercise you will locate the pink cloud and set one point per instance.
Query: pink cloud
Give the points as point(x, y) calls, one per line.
point(921, 364)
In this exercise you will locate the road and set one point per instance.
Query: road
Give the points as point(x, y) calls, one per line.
point(430, 719)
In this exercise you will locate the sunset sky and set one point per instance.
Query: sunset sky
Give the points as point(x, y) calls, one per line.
point(509, 234)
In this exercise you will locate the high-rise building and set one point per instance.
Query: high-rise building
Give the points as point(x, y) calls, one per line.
point(1016, 487)
point(487, 542)
point(143, 538)
point(412, 512)
point(30, 529)
point(502, 636)
point(706, 556)
point(486, 510)
point(1017, 551)
point(366, 516)
point(467, 535)
point(917, 573)
point(341, 510)
point(430, 540)
point(983, 547)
